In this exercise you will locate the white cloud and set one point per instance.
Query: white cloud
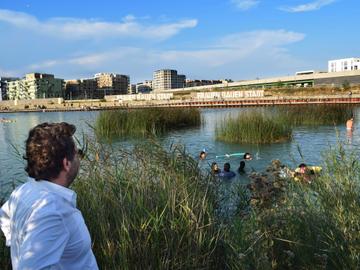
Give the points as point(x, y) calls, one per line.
point(8, 73)
point(235, 56)
point(308, 7)
point(73, 28)
point(245, 4)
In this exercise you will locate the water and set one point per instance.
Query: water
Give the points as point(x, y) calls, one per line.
point(307, 145)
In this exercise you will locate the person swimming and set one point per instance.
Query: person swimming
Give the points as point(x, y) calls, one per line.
point(241, 168)
point(226, 173)
point(202, 155)
point(247, 156)
point(215, 168)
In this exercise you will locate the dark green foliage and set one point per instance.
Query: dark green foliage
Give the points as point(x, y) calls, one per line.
point(144, 122)
point(150, 209)
point(253, 127)
point(276, 126)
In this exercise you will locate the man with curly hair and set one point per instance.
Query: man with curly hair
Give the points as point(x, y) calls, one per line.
point(41, 223)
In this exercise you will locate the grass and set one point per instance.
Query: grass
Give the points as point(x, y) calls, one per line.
point(314, 226)
point(150, 209)
point(257, 127)
point(315, 115)
point(253, 127)
point(144, 122)
point(153, 209)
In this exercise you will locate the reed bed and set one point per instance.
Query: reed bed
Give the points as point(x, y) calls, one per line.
point(145, 122)
point(276, 126)
point(150, 209)
point(253, 127)
point(153, 209)
point(310, 226)
point(315, 115)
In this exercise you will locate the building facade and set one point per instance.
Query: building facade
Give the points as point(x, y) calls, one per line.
point(144, 87)
point(346, 64)
point(4, 86)
point(193, 83)
point(82, 89)
point(36, 85)
point(165, 79)
point(112, 84)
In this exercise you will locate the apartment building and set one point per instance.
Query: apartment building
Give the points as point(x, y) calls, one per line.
point(36, 85)
point(193, 83)
point(82, 89)
point(346, 64)
point(4, 86)
point(144, 87)
point(112, 84)
point(165, 79)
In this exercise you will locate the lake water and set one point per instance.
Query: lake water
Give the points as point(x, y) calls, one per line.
point(311, 142)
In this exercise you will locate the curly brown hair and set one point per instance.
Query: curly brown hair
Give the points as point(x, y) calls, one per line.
point(46, 147)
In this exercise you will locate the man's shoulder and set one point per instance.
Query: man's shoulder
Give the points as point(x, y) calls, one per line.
point(32, 195)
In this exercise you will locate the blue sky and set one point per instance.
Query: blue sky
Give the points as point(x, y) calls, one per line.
point(203, 39)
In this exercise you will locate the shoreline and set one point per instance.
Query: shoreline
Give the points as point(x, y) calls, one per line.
point(96, 105)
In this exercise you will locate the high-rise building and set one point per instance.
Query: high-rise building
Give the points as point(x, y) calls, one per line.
point(193, 83)
point(82, 89)
point(346, 64)
point(4, 86)
point(112, 84)
point(132, 89)
point(36, 85)
point(144, 87)
point(165, 79)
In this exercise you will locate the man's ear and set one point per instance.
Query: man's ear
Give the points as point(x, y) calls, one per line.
point(66, 164)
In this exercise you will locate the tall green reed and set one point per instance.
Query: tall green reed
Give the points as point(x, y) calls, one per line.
point(276, 125)
point(314, 115)
point(312, 226)
point(253, 127)
point(144, 122)
point(147, 208)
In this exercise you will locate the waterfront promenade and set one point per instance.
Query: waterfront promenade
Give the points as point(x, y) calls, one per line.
point(90, 105)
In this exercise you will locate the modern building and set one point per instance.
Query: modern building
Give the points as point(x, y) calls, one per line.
point(36, 85)
point(165, 79)
point(82, 89)
point(193, 83)
point(346, 64)
point(112, 84)
point(132, 89)
point(144, 87)
point(4, 86)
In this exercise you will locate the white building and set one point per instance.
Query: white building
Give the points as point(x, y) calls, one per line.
point(344, 64)
point(165, 79)
point(35, 85)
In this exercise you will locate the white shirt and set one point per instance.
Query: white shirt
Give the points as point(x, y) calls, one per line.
point(44, 229)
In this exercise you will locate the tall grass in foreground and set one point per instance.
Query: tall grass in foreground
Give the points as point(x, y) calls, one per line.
point(150, 209)
point(314, 226)
point(253, 127)
point(144, 122)
point(153, 209)
point(315, 115)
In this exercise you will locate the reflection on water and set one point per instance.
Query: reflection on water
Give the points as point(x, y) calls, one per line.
point(307, 145)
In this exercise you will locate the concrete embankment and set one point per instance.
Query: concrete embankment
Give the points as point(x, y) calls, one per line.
point(87, 105)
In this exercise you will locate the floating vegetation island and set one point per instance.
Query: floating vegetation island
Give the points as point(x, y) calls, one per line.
point(260, 127)
point(138, 123)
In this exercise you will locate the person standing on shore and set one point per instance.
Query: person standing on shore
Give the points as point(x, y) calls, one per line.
point(41, 223)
